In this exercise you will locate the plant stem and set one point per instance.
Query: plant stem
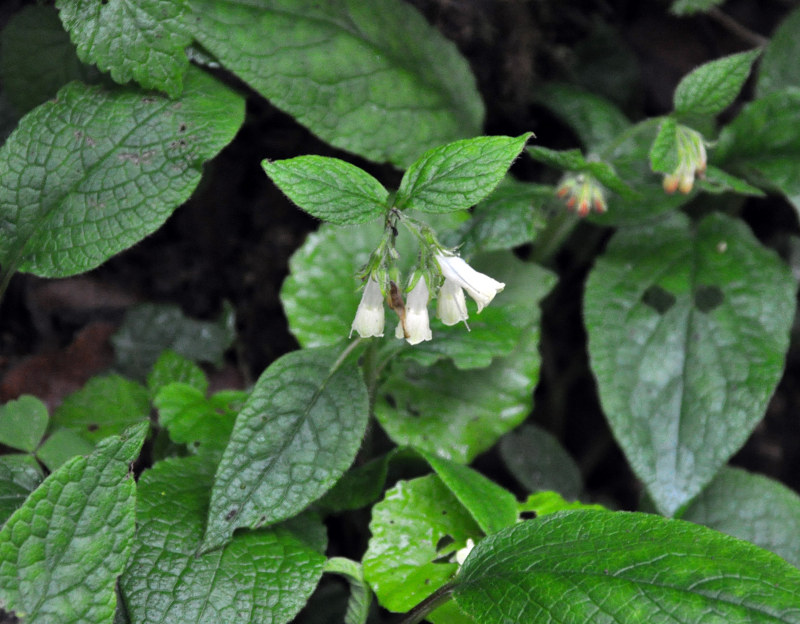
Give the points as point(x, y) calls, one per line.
point(549, 240)
point(343, 356)
point(436, 599)
point(730, 24)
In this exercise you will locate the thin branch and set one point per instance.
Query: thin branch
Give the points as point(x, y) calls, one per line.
point(730, 24)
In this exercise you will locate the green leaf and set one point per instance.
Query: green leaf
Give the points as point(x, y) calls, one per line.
point(458, 175)
point(321, 294)
point(680, 382)
point(492, 506)
point(712, 87)
point(358, 487)
point(762, 144)
point(416, 530)
point(718, 181)
point(573, 160)
point(688, 7)
point(330, 189)
point(94, 171)
point(61, 552)
point(594, 119)
point(19, 476)
point(457, 414)
point(544, 503)
point(38, 58)
point(142, 40)
point(512, 215)
point(539, 462)
point(260, 576)
point(61, 446)
point(23, 423)
point(360, 593)
point(295, 436)
point(171, 367)
point(753, 508)
point(203, 424)
point(369, 76)
point(623, 568)
point(104, 406)
point(777, 69)
point(664, 152)
point(149, 329)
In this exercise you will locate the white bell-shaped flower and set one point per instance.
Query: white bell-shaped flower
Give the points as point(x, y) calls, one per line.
point(369, 316)
point(415, 326)
point(480, 287)
point(451, 306)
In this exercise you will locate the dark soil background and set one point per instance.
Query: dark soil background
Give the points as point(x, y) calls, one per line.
point(233, 239)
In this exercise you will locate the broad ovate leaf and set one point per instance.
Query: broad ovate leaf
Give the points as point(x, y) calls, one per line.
point(777, 69)
point(575, 567)
point(329, 188)
point(369, 76)
point(23, 422)
point(95, 170)
point(61, 552)
point(141, 40)
point(751, 507)
point(688, 326)
point(295, 436)
point(260, 576)
point(713, 86)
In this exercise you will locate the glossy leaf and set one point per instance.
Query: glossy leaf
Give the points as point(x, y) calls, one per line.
point(260, 576)
point(456, 414)
point(777, 69)
point(94, 171)
point(295, 436)
point(104, 406)
point(492, 506)
point(149, 329)
point(142, 40)
point(712, 87)
point(539, 462)
point(23, 422)
point(624, 568)
point(458, 175)
point(38, 58)
point(416, 530)
point(688, 327)
point(19, 476)
point(61, 552)
point(330, 189)
point(753, 508)
point(369, 76)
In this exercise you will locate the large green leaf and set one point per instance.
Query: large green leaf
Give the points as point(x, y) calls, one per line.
point(295, 436)
point(753, 508)
point(38, 58)
point(575, 567)
point(61, 552)
point(104, 406)
point(19, 476)
point(369, 76)
point(762, 143)
point(457, 414)
point(23, 423)
point(141, 40)
point(330, 189)
point(416, 530)
point(713, 86)
point(688, 326)
point(778, 68)
point(91, 173)
point(458, 175)
point(261, 576)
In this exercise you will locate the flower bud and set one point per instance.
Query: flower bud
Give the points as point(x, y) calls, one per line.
point(369, 316)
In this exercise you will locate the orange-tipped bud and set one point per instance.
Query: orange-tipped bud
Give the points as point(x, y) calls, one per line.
point(670, 184)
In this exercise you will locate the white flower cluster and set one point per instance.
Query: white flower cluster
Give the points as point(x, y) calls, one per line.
point(451, 307)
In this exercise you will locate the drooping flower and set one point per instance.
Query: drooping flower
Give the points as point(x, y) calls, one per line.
point(414, 326)
point(692, 161)
point(451, 306)
point(480, 287)
point(369, 316)
point(582, 193)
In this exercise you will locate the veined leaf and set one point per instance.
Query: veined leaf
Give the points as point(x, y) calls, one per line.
point(778, 69)
point(713, 86)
